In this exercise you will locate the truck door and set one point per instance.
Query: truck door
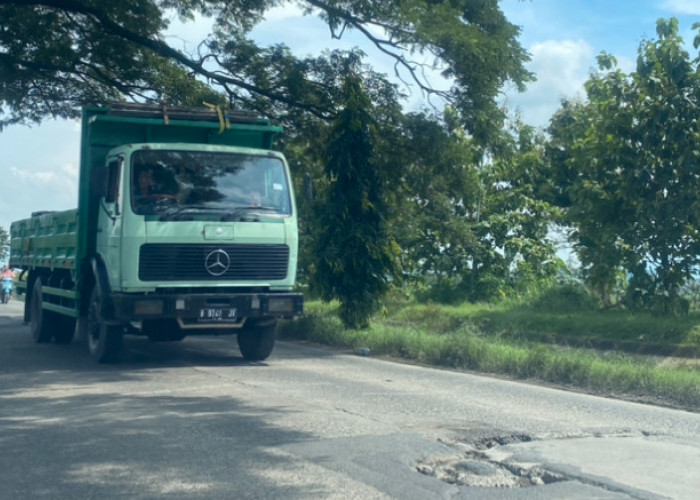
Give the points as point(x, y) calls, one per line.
point(109, 222)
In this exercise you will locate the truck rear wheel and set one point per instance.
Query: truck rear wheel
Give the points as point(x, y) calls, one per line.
point(256, 340)
point(39, 318)
point(105, 341)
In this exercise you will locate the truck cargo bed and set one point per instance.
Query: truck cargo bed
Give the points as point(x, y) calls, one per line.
point(47, 240)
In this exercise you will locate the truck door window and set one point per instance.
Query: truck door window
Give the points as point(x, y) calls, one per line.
point(113, 175)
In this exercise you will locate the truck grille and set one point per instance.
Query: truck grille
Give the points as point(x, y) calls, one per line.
point(166, 262)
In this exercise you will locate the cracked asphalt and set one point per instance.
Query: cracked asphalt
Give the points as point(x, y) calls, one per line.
point(192, 419)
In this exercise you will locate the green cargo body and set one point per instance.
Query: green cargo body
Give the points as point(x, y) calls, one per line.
point(214, 252)
point(48, 241)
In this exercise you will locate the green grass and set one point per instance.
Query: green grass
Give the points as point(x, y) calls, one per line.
point(522, 344)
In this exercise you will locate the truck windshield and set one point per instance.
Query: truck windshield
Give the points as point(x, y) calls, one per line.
point(198, 182)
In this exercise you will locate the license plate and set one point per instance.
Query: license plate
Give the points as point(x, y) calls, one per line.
point(217, 315)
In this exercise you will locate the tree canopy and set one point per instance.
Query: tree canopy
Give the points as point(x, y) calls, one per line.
point(57, 55)
point(627, 168)
point(355, 258)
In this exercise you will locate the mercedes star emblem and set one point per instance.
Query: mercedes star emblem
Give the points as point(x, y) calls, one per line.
point(217, 262)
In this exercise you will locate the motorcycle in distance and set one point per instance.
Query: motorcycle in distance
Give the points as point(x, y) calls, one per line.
point(6, 293)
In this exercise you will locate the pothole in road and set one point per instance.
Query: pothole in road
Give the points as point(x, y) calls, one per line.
point(490, 442)
point(479, 471)
point(474, 468)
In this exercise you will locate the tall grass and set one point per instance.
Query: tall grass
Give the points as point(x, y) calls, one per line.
point(480, 338)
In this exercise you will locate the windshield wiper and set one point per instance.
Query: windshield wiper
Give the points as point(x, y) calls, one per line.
point(228, 213)
point(176, 212)
point(241, 213)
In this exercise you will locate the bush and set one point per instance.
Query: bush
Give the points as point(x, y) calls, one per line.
point(565, 299)
point(445, 291)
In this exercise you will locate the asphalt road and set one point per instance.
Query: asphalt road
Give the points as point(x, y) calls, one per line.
point(193, 420)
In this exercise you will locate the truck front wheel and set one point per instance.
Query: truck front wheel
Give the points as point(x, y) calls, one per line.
point(105, 341)
point(256, 340)
point(39, 318)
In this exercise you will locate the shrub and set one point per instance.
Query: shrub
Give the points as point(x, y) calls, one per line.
point(565, 299)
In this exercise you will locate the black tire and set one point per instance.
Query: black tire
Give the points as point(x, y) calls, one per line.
point(162, 330)
point(256, 340)
point(64, 330)
point(40, 319)
point(105, 341)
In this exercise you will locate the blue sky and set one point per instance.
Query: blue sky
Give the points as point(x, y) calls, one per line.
point(39, 165)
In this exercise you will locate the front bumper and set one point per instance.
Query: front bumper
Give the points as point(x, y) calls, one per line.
point(189, 308)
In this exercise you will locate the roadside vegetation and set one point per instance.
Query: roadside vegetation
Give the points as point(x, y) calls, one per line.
point(617, 353)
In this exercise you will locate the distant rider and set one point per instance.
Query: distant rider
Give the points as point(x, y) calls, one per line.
point(7, 276)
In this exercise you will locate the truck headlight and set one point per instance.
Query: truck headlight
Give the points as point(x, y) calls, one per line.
point(280, 305)
point(148, 307)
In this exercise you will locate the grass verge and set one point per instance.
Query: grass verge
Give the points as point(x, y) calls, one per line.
point(494, 341)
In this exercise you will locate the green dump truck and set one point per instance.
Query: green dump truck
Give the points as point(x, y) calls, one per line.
point(186, 225)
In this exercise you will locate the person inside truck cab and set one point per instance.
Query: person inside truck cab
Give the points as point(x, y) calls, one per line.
point(145, 183)
point(147, 191)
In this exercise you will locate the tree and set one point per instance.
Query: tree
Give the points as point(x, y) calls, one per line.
point(631, 161)
point(473, 224)
point(591, 213)
point(4, 242)
point(57, 55)
point(517, 254)
point(355, 258)
point(435, 183)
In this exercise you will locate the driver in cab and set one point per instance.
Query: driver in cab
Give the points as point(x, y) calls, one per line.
point(147, 193)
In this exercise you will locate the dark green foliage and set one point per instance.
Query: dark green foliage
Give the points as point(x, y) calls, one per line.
point(626, 166)
point(57, 56)
point(4, 242)
point(356, 259)
point(445, 291)
point(565, 299)
point(472, 229)
point(516, 255)
point(640, 296)
point(437, 183)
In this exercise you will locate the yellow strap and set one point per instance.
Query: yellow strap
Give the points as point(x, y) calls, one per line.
point(223, 119)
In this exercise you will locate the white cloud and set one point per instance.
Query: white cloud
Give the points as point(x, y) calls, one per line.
point(689, 7)
point(39, 169)
point(561, 67)
point(66, 175)
point(284, 12)
point(186, 36)
point(49, 189)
